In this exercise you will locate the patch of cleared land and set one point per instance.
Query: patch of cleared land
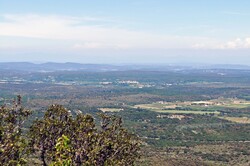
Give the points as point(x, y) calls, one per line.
point(196, 107)
point(110, 109)
point(186, 112)
point(244, 120)
point(231, 103)
point(173, 111)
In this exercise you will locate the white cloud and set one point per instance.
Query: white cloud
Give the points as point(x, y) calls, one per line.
point(247, 42)
point(81, 33)
point(237, 43)
point(95, 45)
point(199, 46)
point(89, 33)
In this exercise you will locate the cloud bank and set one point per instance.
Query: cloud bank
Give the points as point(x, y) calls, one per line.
point(90, 33)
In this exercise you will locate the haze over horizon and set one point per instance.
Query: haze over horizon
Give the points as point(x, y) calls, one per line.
point(132, 31)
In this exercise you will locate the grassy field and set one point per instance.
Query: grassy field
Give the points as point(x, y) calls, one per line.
point(244, 120)
point(185, 112)
point(196, 107)
point(161, 109)
point(110, 109)
point(238, 106)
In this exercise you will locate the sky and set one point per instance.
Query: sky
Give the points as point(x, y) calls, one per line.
point(125, 31)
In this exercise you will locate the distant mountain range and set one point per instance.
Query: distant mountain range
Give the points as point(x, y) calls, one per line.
point(48, 67)
point(51, 66)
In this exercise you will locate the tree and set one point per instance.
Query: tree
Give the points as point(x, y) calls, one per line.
point(13, 145)
point(111, 144)
point(44, 133)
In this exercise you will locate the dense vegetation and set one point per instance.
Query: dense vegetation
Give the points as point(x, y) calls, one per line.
point(61, 139)
point(13, 145)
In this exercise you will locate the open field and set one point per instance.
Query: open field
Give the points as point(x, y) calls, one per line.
point(196, 107)
point(229, 103)
point(185, 112)
point(110, 109)
point(244, 120)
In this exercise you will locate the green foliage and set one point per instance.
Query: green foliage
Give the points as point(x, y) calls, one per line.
point(45, 132)
point(12, 142)
point(63, 150)
point(84, 144)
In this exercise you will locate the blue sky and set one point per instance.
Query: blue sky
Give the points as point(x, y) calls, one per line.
point(125, 31)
